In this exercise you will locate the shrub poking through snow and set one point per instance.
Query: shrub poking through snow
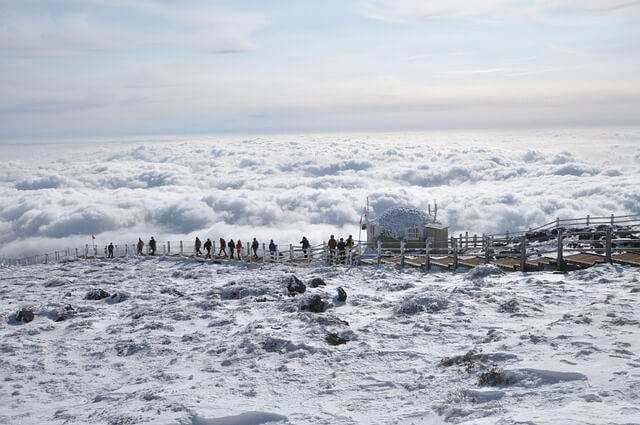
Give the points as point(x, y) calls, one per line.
point(510, 306)
point(415, 305)
point(314, 304)
point(334, 339)
point(494, 378)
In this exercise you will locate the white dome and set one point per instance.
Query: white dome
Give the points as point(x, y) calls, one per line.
point(394, 222)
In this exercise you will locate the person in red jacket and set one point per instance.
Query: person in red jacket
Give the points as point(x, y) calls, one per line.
point(239, 249)
point(223, 247)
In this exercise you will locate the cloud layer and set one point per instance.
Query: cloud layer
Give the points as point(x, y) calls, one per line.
point(284, 187)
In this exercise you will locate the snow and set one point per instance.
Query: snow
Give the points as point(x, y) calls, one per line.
point(394, 222)
point(182, 341)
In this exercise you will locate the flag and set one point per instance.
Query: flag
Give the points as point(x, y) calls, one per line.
point(93, 236)
point(361, 220)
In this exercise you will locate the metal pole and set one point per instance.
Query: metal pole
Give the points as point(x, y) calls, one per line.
point(455, 254)
point(168, 247)
point(291, 252)
point(588, 219)
point(427, 259)
point(487, 252)
point(402, 253)
point(612, 220)
point(608, 249)
point(181, 249)
point(379, 251)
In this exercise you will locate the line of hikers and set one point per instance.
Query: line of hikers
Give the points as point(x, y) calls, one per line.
point(337, 249)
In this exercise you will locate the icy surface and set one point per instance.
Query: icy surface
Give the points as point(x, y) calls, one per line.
point(179, 341)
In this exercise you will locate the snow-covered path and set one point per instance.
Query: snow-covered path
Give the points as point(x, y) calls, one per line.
point(186, 342)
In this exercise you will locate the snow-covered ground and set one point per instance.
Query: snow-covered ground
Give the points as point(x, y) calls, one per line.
point(180, 341)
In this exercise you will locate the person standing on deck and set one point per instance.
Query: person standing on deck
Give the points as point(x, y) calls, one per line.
point(341, 247)
point(223, 247)
point(152, 246)
point(232, 247)
point(110, 248)
point(197, 246)
point(140, 246)
point(207, 246)
point(305, 246)
point(255, 245)
point(239, 249)
point(332, 244)
point(272, 249)
point(350, 244)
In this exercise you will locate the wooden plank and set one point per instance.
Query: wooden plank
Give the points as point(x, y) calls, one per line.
point(507, 263)
point(471, 262)
point(584, 259)
point(444, 262)
point(630, 258)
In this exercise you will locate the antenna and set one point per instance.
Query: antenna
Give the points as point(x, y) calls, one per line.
point(435, 209)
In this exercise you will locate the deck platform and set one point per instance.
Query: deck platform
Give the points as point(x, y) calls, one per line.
point(584, 259)
point(629, 258)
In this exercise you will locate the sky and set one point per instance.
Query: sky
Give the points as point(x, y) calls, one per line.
point(76, 68)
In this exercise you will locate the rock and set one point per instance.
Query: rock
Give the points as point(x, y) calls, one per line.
point(635, 290)
point(315, 304)
point(25, 315)
point(171, 291)
point(118, 297)
point(493, 378)
point(510, 306)
point(316, 282)
point(97, 294)
point(334, 339)
point(65, 313)
point(342, 294)
point(295, 286)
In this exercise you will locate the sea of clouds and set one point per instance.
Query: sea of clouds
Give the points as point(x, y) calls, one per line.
point(56, 195)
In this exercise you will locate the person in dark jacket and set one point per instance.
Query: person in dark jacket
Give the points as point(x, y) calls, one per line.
point(305, 246)
point(272, 249)
point(223, 247)
point(207, 246)
point(232, 247)
point(198, 244)
point(332, 244)
point(342, 245)
point(110, 248)
point(255, 245)
point(152, 246)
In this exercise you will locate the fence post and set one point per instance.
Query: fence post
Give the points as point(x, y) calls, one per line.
point(291, 252)
point(560, 260)
point(325, 251)
point(427, 254)
point(487, 253)
point(86, 251)
point(359, 252)
point(466, 240)
point(76, 252)
point(181, 248)
point(608, 249)
point(379, 251)
point(402, 253)
point(612, 220)
point(557, 222)
point(46, 258)
point(588, 219)
point(126, 250)
point(264, 252)
point(523, 254)
point(455, 253)
point(168, 247)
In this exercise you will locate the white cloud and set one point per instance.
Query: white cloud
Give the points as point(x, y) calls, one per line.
point(284, 187)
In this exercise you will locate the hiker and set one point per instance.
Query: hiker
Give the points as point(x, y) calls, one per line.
point(305, 246)
point(239, 249)
point(207, 246)
point(198, 244)
point(152, 246)
point(350, 244)
point(341, 247)
point(272, 249)
point(232, 247)
point(332, 244)
point(140, 246)
point(255, 245)
point(223, 247)
point(110, 248)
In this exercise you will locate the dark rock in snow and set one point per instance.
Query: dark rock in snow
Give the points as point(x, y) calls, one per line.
point(25, 315)
point(635, 290)
point(494, 378)
point(97, 294)
point(65, 313)
point(342, 294)
point(314, 304)
point(295, 286)
point(316, 282)
point(171, 291)
point(334, 339)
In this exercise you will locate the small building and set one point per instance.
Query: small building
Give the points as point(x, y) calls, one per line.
point(407, 224)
